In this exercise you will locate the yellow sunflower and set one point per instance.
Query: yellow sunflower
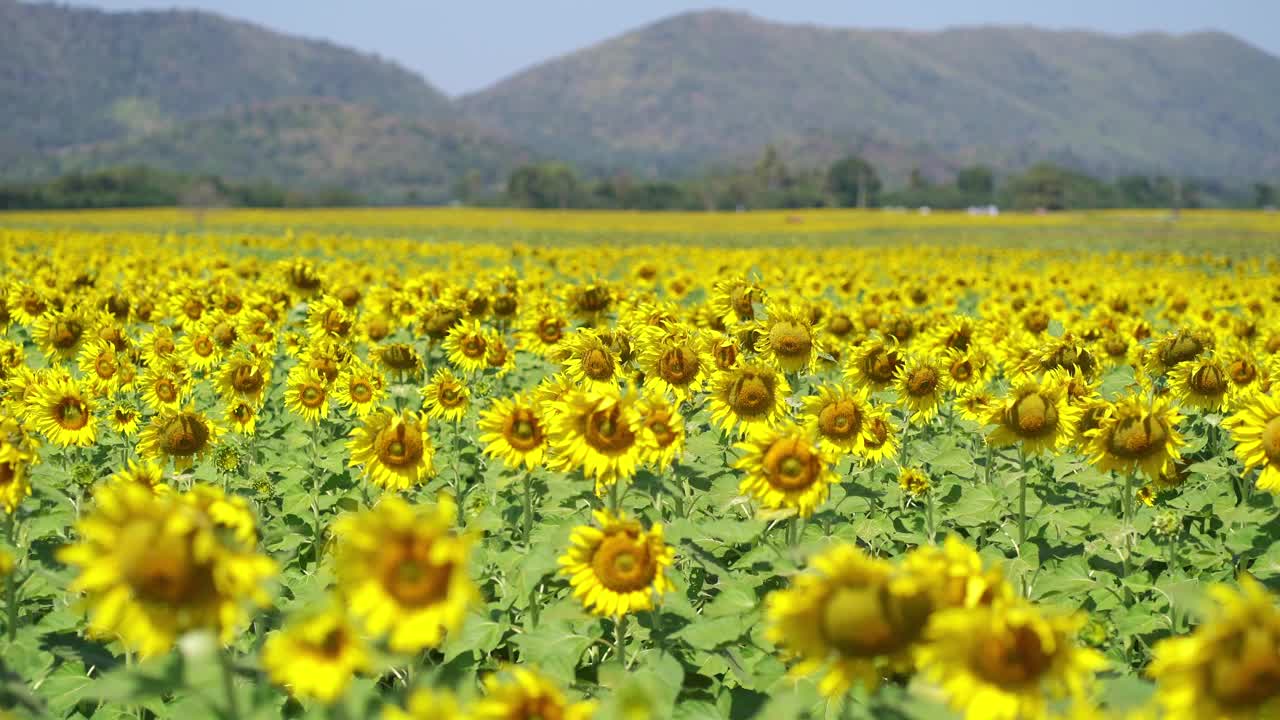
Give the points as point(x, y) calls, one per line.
point(786, 337)
point(1201, 382)
point(526, 695)
point(618, 567)
point(598, 433)
point(466, 346)
point(242, 416)
point(17, 453)
point(162, 389)
point(446, 397)
point(921, 384)
point(1136, 436)
point(785, 467)
point(154, 566)
point(1036, 416)
point(307, 394)
point(184, 437)
point(1000, 661)
point(244, 376)
point(874, 365)
point(61, 333)
point(662, 431)
point(957, 576)
point(836, 416)
point(846, 619)
point(514, 431)
point(394, 450)
point(589, 361)
point(500, 358)
point(1256, 431)
point(403, 571)
point(359, 388)
point(747, 397)
point(1229, 668)
point(124, 419)
point(674, 360)
point(316, 656)
point(63, 413)
point(100, 366)
point(429, 704)
point(880, 438)
point(147, 475)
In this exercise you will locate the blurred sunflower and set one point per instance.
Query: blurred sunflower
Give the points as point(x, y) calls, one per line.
point(524, 694)
point(430, 704)
point(618, 567)
point(147, 475)
point(662, 431)
point(1256, 431)
point(17, 453)
point(403, 572)
point(184, 437)
point(316, 656)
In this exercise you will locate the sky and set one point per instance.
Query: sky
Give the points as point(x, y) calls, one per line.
point(464, 46)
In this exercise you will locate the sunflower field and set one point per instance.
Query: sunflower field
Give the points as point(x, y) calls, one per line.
point(467, 466)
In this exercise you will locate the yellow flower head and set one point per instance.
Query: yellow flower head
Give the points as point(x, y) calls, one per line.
point(1256, 430)
point(429, 704)
point(1136, 436)
point(446, 397)
point(618, 567)
point(403, 571)
point(315, 656)
point(394, 449)
point(786, 467)
point(674, 360)
point(748, 396)
point(786, 337)
point(1036, 416)
point(524, 695)
point(837, 417)
point(467, 346)
point(184, 437)
point(306, 394)
point(598, 433)
point(662, 431)
point(63, 413)
point(514, 431)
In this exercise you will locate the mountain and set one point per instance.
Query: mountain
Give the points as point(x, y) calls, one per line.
point(706, 86)
point(310, 144)
point(76, 75)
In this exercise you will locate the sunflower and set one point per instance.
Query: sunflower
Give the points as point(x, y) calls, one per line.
point(1256, 431)
point(999, 661)
point(618, 567)
point(163, 389)
point(242, 416)
point(394, 449)
point(184, 436)
point(1035, 416)
point(63, 413)
point(544, 328)
point(466, 346)
point(723, 350)
point(154, 566)
point(662, 431)
point(446, 397)
point(359, 388)
point(400, 357)
point(674, 360)
point(921, 384)
point(499, 357)
point(316, 656)
point(198, 348)
point(847, 619)
point(124, 419)
point(589, 360)
point(1134, 436)
point(733, 301)
point(307, 394)
point(836, 416)
point(598, 433)
point(147, 475)
point(17, 453)
point(60, 334)
point(244, 376)
point(957, 576)
point(879, 435)
point(975, 404)
point(100, 367)
point(747, 397)
point(967, 369)
point(514, 431)
point(785, 467)
point(525, 695)
point(403, 572)
point(913, 482)
point(158, 345)
point(1229, 668)
point(874, 365)
point(429, 704)
point(1201, 382)
point(786, 337)
point(329, 319)
point(1178, 347)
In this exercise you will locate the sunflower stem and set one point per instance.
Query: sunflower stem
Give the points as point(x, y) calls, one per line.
point(928, 515)
point(1126, 506)
point(526, 519)
point(228, 684)
point(316, 481)
point(620, 640)
point(614, 500)
point(11, 581)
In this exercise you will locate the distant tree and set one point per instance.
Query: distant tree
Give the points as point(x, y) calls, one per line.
point(854, 182)
point(977, 182)
point(549, 185)
point(917, 180)
point(1264, 195)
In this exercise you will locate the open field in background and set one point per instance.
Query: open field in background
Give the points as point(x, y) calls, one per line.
point(506, 465)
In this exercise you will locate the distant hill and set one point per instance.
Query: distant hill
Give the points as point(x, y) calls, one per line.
point(310, 144)
point(705, 86)
point(77, 75)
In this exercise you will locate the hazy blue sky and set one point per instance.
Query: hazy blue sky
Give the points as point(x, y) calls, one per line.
point(463, 46)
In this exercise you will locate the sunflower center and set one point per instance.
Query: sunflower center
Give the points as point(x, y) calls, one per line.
point(242, 413)
point(193, 308)
point(163, 346)
point(752, 395)
point(65, 333)
point(105, 366)
point(790, 340)
point(1184, 346)
point(1247, 677)
point(622, 562)
point(473, 346)
point(962, 370)
point(1270, 440)
point(452, 396)
point(71, 413)
point(337, 322)
point(7, 474)
point(399, 445)
point(960, 339)
point(1012, 658)
point(522, 430)
point(839, 325)
point(184, 435)
point(399, 357)
point(123, 416)
point(504, 305)
point(678, 366)
point(880, 365)
point(597, 364)
point(377, 328)
point(855, 623)
point(726, 356)
point(311, 396)
point(333, 643)
point(740, 299)
point(1137, 437)
point(550, 330)
point(164, 572)
point(203, 346)
point(166, 391)
point(661, 429)
point(922, 381)
point(1033, 415)
point(410, 575)
point(607, 433)
point(1209, 380)
point(361, 391)
point(877, 434)
point(840, 420)
point(1243, 372)
point(1036, 321)
point(496, 355)
point(247, 379)
point(1115, 346)
point(790, 464)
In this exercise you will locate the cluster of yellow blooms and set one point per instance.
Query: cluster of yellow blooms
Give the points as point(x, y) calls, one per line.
point(798, 359)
